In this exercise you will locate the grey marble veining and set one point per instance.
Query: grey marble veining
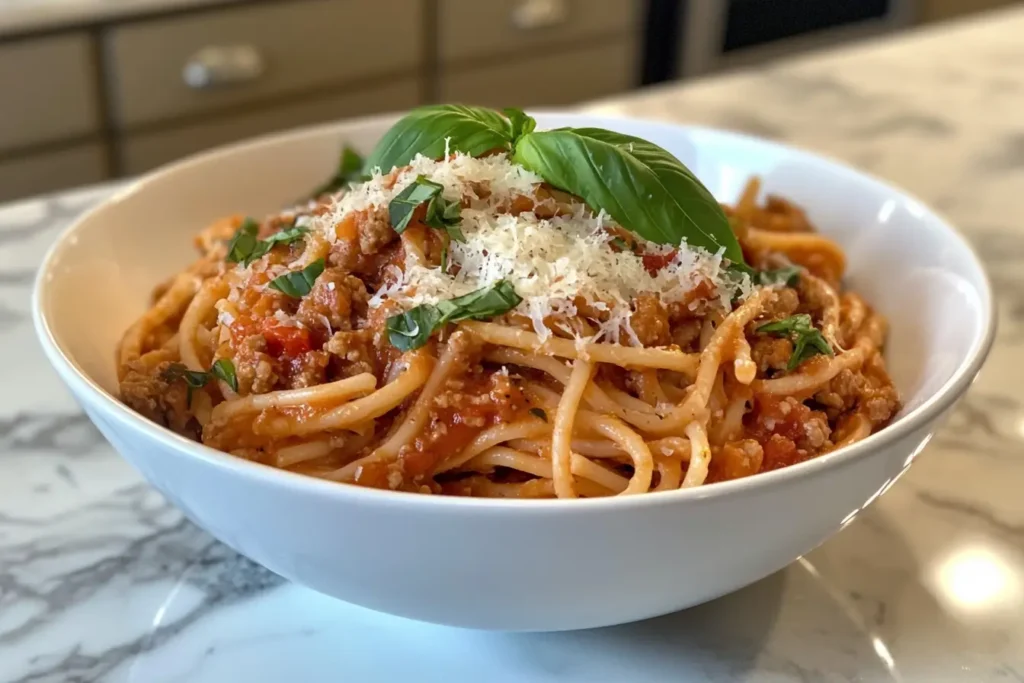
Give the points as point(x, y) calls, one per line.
point(101, 580)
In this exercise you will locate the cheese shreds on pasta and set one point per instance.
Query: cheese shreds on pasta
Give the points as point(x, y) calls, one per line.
point(553, 263)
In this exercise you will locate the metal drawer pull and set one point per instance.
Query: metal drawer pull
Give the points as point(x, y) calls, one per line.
point(223, 66)
point(532, 15)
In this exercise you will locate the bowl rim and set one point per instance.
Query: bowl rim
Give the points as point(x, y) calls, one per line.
point(91, 394)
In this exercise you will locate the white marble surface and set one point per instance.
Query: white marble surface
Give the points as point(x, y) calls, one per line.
point(26, 16)
point(100, 580)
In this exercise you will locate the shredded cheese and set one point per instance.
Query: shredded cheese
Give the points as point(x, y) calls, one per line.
point(553, 264)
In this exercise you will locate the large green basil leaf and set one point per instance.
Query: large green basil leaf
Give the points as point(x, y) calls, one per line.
point(470, 130)
point(639, 184)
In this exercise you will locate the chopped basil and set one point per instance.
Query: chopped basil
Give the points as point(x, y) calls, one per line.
point(401, 208)
point(412, 329)
point(787, 275)
point(441, 214)
point(224, 370)
point(350, 170)
point(245, 248)
point(444, 258)
point(445, 215)
point(244, 242)
point(539, 413)
point(299, 283)
point(807, 340)
point(195, 379)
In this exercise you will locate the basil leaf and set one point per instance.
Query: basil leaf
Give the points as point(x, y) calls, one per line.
point(194, 379)
point(428, 130)
point(807, 340)
point(521, 122)
point(539, 413)
point(445, 215)
point(244, 242)
point(224, 370)
point(299, 283)
point(440, 214)
point(787, 275)
point(405, 203)
point(642, 186)
point(350, 170)
point(263, 247)
point(412, 329)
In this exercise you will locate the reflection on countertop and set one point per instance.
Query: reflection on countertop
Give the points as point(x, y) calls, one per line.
point(101, 580)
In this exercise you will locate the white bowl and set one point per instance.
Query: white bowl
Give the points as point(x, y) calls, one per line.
point(518, 565)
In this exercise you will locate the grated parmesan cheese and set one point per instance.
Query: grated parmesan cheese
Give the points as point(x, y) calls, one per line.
point(551, 263)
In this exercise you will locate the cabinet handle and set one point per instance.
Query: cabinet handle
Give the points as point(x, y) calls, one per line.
point(533, 15)
point(223, 66)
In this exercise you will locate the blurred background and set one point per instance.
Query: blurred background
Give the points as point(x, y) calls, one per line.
point(100, 89)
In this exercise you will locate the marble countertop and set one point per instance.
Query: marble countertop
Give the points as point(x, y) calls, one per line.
point(102, 581)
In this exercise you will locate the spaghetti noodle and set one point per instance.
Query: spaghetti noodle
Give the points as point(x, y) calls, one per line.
point(566, 357)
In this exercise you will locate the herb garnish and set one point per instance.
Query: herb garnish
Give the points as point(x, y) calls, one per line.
point(539, 413)
point(787, 275)
point(243, 242)
point(441, 214)
point(299, 283)
point(412, 329)
point(222, 369)
point(807, 340)
point(244, 248)
point(643, 187)
point(350, 170)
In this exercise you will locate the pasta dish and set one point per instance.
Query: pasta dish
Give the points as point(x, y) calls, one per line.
point(532, 314)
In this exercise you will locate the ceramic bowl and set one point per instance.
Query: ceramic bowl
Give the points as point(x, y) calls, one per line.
point(500, 564)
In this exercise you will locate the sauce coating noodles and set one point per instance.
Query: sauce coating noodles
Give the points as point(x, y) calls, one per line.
point(689, 393)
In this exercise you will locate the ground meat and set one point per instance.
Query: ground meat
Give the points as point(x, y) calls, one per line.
point(770, 353)
point(783, 305)
point(353, 353)
point(309, 369)
point(650, 321)
point(145, 390)
point(338, 301)
point(736, 459)
point(686, 334)
point(787, 417)
point(263, 376)
point(870, 393)
point(361, 236)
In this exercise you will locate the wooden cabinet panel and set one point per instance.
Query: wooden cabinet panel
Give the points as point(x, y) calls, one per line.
point(558, 79)
point(251, 53)
point(47, 90)
point(144, 151)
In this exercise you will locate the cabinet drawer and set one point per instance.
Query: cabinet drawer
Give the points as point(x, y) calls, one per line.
point(144, 151)
point(60, 102)
point(564, 78)
point(256, 52)
point(39, 173)
point(473, 28)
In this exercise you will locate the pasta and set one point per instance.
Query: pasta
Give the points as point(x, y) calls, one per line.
point(508, 341)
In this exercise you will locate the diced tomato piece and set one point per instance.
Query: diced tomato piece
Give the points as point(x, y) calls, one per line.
point(655, 262)
point(285, 340)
